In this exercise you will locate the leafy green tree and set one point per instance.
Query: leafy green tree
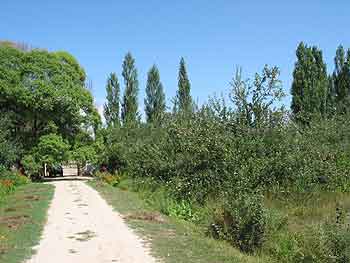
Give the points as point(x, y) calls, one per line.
point(40, 89)
point(51, 149)
point(310, 83)
point(331, 97)
point(111, 107)
point(33, 168)
point(9, 150)
point(83, 150)
point(155, 97)
point(184, 103)
point(129, 112)
point(341, 79)
point(254, 101)
point(83, 155)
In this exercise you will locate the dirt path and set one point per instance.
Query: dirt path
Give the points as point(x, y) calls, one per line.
point(82, 227)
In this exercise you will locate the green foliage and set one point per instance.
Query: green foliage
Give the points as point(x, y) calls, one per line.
point(9, 181)
point(129, 112)
point(111, 107)
point(111, 179)
point(32, 166)
point(337, 237)
point(83, 155)
point(242, 221)
point(9, 149)
point(43, 93)
point(183, 100)
point(51, 149)
point(253, 101)
point(182, 210)
point(310, 84)
point(325, 242)
point(341, 80)
point(212, 155)
point(84, 150)
point(155, 97)
point(225, 153)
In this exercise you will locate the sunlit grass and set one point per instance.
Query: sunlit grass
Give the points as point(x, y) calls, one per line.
point(304, 209)
point(172, 240)
point(22, 217)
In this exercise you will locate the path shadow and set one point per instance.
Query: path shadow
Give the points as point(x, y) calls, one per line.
point(67, 178)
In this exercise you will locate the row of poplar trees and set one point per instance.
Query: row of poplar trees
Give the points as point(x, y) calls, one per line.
point(124, 111)
point(314, 92)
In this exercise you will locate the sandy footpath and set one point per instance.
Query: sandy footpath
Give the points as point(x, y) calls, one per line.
point(83, 228)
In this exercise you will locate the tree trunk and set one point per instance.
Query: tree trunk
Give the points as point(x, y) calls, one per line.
point(45, 172)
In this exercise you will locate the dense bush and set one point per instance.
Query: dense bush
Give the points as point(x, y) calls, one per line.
point(205, 157)
point(241, 221)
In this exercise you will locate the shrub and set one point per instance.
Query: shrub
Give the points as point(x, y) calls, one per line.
point(110, 179)
point(242, 222)
point(10, 180)
point(7, 185)
point(159, 198)
point(338, 237)
point(32, 167)
point(181, 210)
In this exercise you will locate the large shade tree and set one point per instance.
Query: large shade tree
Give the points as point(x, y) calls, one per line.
point(44, 93)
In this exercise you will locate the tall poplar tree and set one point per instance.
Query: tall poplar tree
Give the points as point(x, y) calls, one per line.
point(155, 97)
point(184, 101)
point(129, 112)
point(331, 96)
point(111, 107)
point(310, 83)
point(341, 78)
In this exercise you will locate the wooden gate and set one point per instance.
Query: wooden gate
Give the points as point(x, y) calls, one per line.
point(70, 170)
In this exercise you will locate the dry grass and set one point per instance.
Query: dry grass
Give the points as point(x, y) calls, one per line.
point(146, 216)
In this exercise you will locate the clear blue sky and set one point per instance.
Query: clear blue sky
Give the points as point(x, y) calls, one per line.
point(213, 36)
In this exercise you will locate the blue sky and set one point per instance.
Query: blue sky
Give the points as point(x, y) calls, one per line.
point(212, 36)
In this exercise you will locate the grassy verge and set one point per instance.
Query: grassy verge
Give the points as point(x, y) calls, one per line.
point(22, 217)
point(307, 209)
point(301, 227)
point(315, 227)
point(171, 239)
